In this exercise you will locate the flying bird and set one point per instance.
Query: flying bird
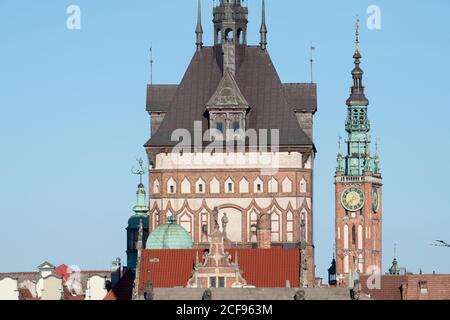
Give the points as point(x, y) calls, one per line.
point(440, 243)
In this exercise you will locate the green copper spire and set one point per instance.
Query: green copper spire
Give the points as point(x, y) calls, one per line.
point(358, 159)
point(140, 208)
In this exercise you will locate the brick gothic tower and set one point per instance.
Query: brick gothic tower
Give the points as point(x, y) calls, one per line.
point(229, 91)
point(358, 189)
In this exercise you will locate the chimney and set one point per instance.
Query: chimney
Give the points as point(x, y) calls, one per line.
point(264, 232)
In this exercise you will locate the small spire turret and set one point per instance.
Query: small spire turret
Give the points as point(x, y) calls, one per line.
point(263, 30)
point(199, 29)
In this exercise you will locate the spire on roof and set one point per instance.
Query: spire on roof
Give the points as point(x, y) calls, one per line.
point(357, 97)
point(140, 208)
point(199, 29)
point(263, 30)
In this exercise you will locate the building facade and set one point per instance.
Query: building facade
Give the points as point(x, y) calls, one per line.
point(358, 189)
point(232, 136)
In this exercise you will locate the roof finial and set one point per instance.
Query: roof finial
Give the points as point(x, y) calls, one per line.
point(140, 171)
point(263, 30)
point(357, 33)
point(151, 63)
point(199, 29)
point(340, 143)
point(395, 251)
point(312, 48)
point(376, 146)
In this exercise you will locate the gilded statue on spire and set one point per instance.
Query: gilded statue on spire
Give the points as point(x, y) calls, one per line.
point(140, 171)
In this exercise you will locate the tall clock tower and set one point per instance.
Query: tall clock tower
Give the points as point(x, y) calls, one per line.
point(358, 189)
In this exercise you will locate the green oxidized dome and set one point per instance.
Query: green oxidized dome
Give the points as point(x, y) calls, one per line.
point(169, 236)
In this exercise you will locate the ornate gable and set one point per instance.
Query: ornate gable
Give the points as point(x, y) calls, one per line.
point(227, 94)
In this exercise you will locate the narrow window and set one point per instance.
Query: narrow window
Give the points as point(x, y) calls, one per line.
point(236, 125)
point(221, 282)
point(219, 126)
point(172, 189)
point(230, 187)
point(353, 235)
point(212, 282)
point(258, 187)
point(200, 188)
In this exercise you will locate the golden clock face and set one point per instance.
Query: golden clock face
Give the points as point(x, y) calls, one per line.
point(353, 199)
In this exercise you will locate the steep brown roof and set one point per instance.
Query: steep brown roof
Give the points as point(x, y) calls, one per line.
point(159, 97)
point(302, 96)
point(271, 104)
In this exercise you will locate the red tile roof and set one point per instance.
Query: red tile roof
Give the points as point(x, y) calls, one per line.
point(390, 288)
point(261, 268)
point(25, 294)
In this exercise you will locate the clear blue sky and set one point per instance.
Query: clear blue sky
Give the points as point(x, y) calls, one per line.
point(72, 116)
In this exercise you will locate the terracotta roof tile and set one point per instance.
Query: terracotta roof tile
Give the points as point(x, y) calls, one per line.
point(262, 268)
point(25, 294)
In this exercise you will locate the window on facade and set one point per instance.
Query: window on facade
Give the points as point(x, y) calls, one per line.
point(258, 187)
point(200, 188)
point(156, 220)
point(172, 189)
point(353, 235)
point(290, 226)
point(204, 234)
point(423, 287)
point(219, 126)
point(212, 282)
point(221, 282)
point(236, 125)
point(230, 187)
point(276, 228)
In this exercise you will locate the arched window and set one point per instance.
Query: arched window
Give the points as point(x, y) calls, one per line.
point(219, 36)
point(290, 227)
point(276, 227)
point(253, 226)
point(186, 222)
point(360, 237)
point(229, 35)
point(345, 237)
point(346, 264)
point(273, 185)
point(240, 35)
point(171, 186)
point(353, 235)
point(156, 186)
point(303, 186)
point(204, 227)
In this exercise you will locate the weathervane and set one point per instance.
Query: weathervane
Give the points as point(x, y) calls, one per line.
point(141, 171)
point(357, 32)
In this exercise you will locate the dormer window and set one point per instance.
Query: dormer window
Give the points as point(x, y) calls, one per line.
point(228, 109)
